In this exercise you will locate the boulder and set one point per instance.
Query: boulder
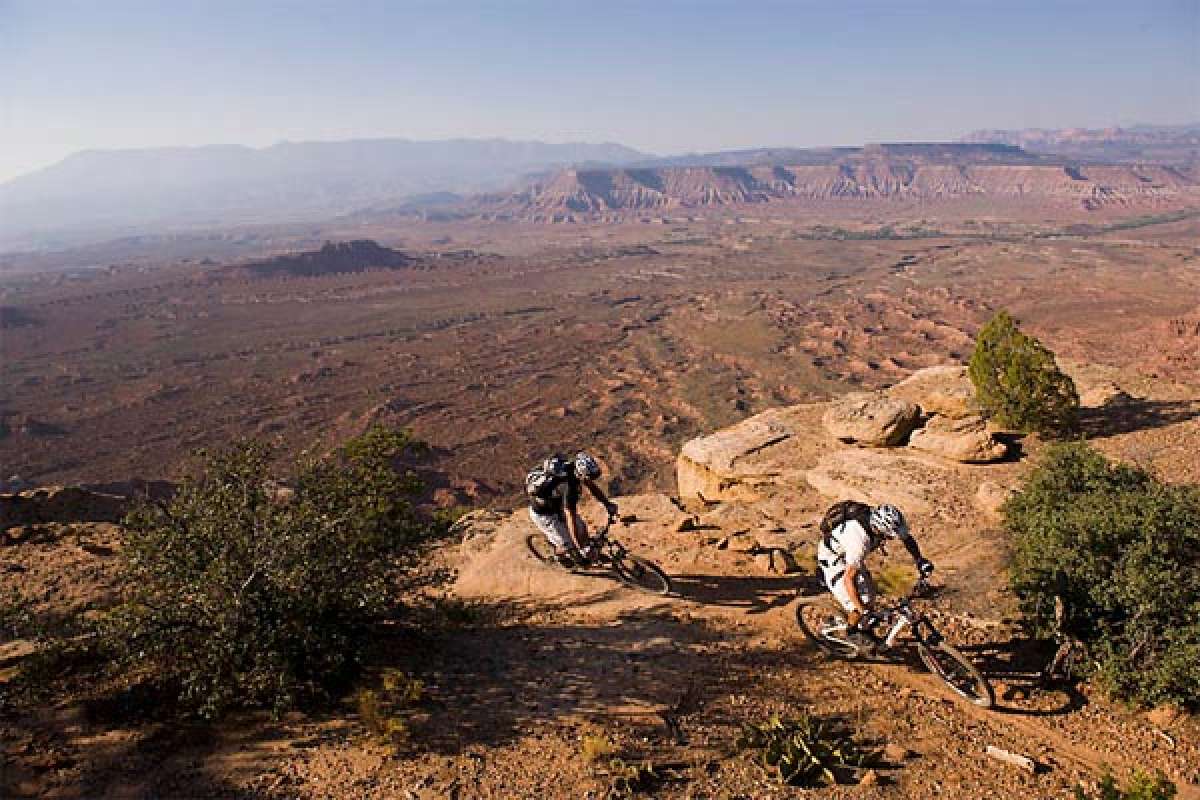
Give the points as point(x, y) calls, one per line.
point(991, 497)
point(727, 465)
point(915, 483)
point(872, 419)
point(966, 440)
point(946, 391)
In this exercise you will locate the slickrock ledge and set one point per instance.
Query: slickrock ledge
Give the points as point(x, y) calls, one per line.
point(741, 461)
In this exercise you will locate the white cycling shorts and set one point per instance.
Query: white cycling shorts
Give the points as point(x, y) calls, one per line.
point(862, 581)
point(554, 528)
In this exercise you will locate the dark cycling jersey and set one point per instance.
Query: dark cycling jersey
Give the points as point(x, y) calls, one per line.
point(557, 493)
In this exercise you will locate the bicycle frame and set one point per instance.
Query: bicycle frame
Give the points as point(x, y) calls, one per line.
point(898, 617)
point(604, 548)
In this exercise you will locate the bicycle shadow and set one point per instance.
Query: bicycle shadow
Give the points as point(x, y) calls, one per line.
point(1015, 669)
point(754, 594)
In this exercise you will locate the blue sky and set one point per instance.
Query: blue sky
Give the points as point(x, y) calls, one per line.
point(662, 75)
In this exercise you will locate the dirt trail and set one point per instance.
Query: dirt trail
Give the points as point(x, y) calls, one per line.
point(726, 594)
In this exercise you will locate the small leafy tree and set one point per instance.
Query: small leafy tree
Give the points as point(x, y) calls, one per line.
point(244, 595)
point(1123, 550)
point(1018, 383)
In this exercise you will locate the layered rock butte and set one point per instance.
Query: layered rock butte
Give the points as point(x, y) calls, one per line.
point(912, 172)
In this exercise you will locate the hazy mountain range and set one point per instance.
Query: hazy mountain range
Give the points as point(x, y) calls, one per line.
point(101, 194)
point(107, 192)
point(1161, 144)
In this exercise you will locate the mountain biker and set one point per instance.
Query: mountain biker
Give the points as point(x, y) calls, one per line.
point(843, 551)
point(554, 488)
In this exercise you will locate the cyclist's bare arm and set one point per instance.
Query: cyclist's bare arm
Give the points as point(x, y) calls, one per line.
point(598, 493)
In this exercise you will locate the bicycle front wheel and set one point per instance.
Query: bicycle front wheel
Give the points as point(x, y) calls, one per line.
point(642, 574)
point(957, 672)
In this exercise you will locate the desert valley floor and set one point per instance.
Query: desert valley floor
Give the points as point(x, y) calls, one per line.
point(497, 342)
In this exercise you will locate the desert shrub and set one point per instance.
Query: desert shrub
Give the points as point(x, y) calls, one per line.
point(595, 746)
point(382, 710)
point(1123, 550)
point(627, 780)
point(243, 595)
point(805, 751)
point(1141, 786)
point(1018, 383)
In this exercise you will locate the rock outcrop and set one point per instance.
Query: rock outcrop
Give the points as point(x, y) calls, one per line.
point(946, 391)
point(62, 504)
point(966, 440)
point(732, 462)
point(914, 483)
point(332, 259)
point(872, 419)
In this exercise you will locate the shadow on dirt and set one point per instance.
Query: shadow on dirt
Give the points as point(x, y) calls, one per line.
point(1015, 669)
point(55, 754)
point(757, 595)
point(493, 685)
point(1133, 415)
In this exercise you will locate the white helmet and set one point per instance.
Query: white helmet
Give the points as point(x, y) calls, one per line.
point(586, 468)
point(887, 521)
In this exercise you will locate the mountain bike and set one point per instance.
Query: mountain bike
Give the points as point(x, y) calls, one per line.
point(606, 553)
point(827, 627)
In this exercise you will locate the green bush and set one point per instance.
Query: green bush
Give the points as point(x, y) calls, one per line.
point(1018, 383)
point(1141, 786)
point(1123, 549)
point(241, 594)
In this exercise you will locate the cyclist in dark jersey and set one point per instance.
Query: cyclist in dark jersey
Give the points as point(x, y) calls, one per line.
point(554, 488)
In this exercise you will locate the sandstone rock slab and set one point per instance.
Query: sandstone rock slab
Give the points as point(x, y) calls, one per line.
point(871, 419)
point(945, 390)
point(991, 497)
point(880, 476)
point(727, 464)
point(966, 440)
point(1105, 394)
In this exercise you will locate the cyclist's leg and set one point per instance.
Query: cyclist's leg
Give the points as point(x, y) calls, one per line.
point(553, 528)
point(865, 583)
point(859, 633)
point(837, 587)
point(584, 542)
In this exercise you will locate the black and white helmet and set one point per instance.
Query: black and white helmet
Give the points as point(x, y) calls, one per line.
point(586, 468)
point(887, 521)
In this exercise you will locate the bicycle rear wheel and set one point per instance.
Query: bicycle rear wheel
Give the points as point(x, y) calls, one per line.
point(957, 672)
point(642, 574)
point(815, 619)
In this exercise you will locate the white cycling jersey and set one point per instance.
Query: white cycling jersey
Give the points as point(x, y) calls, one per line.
point(848, 543)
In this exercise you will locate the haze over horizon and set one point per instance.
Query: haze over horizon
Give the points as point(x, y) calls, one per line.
point(669, 78)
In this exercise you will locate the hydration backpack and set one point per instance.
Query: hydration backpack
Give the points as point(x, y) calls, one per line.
point(841, 512)
point(545, 475)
